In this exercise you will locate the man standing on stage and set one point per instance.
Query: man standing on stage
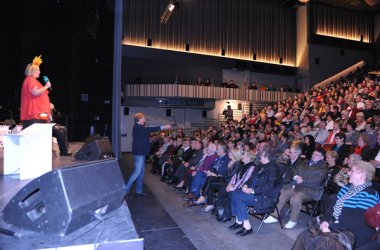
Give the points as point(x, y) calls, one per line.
point(140, 149)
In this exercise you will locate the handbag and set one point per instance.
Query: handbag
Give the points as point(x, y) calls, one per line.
point(313, 238)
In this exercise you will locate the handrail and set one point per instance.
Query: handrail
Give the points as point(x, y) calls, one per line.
point(204, 92)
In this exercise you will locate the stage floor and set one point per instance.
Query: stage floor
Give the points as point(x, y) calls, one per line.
point(116, 231)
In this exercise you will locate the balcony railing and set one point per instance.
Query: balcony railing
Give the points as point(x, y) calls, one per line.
point(203, 92)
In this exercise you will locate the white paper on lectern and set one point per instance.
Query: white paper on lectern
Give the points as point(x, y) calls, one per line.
point(29, 152)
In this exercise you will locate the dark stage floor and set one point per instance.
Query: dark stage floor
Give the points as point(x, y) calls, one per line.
point(159, 219)
point(140, 220)
point(115, 231)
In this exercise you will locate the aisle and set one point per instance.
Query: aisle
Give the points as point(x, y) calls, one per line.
point(199, 228)
point(151, 220)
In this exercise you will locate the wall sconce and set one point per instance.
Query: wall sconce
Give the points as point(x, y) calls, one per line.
point(223, 52)
point(149, 42)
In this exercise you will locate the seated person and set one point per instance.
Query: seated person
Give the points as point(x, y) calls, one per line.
point(182, 171)
point(59, 132)
point(352, 202)
point(183, 154)
point(216, 176)
point(200, 174)
point(372, 217)
point(242, 174)
point(158, 156)
point(332, 187)
point(259, 192)
point(308, 147)
point(308, 181)
point(363, 148)
point(341, 148)
point(167, 159)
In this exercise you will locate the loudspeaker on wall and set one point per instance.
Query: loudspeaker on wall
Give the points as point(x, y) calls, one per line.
point(204, 113)
point(126, 110)
point(64, 200)
point(168, 112)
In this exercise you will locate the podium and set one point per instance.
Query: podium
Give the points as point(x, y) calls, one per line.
point(29, 152)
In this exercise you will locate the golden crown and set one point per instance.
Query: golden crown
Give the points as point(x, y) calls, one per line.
point(37, 60)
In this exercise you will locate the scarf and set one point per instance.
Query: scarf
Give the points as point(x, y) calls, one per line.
point(353, 190)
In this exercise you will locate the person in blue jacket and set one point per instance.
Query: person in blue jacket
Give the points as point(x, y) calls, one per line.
point(140, 149)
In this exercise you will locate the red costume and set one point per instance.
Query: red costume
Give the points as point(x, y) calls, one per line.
point(32, 105)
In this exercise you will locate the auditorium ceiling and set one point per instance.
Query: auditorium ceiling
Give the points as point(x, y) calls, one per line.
point(372, 6)
point(369, 6)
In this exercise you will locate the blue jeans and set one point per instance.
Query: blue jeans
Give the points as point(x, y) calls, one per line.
point(137, 175)
point(239, 203)
point(198, 181)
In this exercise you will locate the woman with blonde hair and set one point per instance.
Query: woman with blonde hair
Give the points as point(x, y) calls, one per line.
point(350, 207)
point(35, 102)
point(235, 155)
point(241, 176)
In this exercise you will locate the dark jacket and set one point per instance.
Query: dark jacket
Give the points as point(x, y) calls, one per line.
point(195, 158)
point(352, 217)
point(343, 152)
point(314, 178)
point(264, 183)
point(287, 171)
point(186, 155)
point(140, 142)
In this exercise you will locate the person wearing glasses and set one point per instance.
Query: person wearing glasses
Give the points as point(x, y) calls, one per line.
point(35, 102)
point(352, 202)
point(308, 182)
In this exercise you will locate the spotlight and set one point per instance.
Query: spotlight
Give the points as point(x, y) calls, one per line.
point(169, 11)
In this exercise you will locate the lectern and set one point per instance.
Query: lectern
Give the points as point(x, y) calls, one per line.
point(29, 152)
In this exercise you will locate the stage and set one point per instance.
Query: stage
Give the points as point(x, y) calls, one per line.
point(115, 231)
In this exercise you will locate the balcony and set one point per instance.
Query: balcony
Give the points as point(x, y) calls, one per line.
point(203, 92)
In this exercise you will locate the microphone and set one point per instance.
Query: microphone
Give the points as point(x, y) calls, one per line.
point(46, 80)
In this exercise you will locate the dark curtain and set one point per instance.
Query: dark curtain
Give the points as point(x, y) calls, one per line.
point(241, 27)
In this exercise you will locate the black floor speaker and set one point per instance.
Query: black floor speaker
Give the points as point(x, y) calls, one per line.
point(64, 200)
point(95, 148)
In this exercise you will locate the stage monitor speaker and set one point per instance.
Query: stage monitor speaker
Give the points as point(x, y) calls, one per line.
point(64, 200)
point(96, 147)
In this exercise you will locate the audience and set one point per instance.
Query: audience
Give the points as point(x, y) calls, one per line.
point(283, 146)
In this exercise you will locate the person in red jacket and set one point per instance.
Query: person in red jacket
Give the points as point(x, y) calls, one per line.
point(35, 102)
